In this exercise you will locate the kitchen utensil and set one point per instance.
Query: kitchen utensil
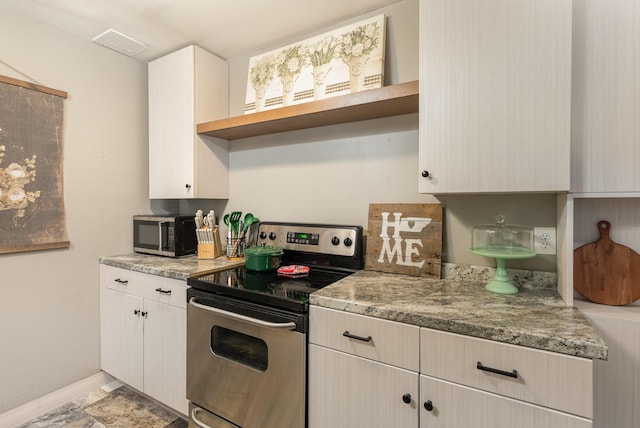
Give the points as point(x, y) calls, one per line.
point(235, 248)
point(249, 219)
point(234, 218)
point(199, 220)
point(208, 243)
point(262, 258)
point(211, 218)
point(606, 272)
point(502, 242)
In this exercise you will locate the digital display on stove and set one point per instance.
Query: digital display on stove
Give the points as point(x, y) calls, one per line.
point(303, 238)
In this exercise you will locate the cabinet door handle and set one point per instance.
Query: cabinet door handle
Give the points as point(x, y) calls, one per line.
point(353, 336)
point(160, 290)
point(428, 405)
point(144, 313)
point(136, 312)
point(406, 398)
point(121, 281)
point(513, 373)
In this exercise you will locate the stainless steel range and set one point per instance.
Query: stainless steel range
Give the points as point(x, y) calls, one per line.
point(247, 331)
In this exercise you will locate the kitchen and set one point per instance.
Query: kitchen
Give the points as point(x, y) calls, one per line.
point(346, 167)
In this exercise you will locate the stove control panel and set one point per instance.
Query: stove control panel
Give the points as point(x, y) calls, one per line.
point(314, 238)
point(303, 238)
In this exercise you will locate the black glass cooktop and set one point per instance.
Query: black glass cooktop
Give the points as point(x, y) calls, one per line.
point(268, 288)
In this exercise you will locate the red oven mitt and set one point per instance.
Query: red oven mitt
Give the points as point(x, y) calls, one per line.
point(293, 271)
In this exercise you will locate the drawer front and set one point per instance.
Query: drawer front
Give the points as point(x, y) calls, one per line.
point(549, 379)
point(455, 405)
point(124, 280)
point(349, 391)
point(377, 339)
point(166, 290)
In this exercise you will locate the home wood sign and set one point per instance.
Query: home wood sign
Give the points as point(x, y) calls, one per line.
point(405, 238)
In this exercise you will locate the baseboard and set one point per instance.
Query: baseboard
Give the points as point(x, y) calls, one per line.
point(26, 412)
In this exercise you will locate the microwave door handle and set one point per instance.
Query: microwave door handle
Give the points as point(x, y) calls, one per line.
point(163, 238)
point(285, 326)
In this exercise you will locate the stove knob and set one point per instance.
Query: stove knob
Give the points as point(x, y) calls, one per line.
point(263, 235)
point(335, 240)
point(348, 242)
point(272, 236)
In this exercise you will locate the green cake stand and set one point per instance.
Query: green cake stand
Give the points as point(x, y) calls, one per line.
point(500, 283)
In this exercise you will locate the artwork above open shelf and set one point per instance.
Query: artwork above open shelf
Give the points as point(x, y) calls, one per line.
point(387, 101)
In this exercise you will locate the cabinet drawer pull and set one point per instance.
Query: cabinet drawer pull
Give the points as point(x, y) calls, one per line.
point(121, 281)
point(353, 336)
point(513, 373)
point(160, 290)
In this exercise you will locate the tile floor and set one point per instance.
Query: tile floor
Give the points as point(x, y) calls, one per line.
point(120, 408)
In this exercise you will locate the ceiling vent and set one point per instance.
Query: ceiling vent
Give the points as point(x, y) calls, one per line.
point(120, 43)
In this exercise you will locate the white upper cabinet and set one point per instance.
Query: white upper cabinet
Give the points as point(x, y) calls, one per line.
point(605, 130)
point(495, 94)
point(187, 87)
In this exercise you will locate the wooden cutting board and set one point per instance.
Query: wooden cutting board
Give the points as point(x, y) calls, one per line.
point(606, 272)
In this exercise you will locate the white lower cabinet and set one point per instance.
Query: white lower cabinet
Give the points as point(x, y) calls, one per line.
point(363, 371)
point(121, 337)
point(359, 392)
point(143, 333)
point(369, 372)
point(616, 380)
point(452, 405)
point(466, 381)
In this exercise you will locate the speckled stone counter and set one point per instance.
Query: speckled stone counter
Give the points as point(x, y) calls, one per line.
point(535, 317)
point(179, 268)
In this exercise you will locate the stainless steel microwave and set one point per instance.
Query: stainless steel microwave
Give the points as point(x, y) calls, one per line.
point(166, 235)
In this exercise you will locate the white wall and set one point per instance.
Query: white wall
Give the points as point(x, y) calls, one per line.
point(49, 300)
point(332, 174)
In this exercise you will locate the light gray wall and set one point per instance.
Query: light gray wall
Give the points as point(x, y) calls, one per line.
point(332, 174)
point(49, 304)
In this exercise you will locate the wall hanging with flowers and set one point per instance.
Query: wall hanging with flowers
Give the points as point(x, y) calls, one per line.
point(349, 59)
point(32, 215)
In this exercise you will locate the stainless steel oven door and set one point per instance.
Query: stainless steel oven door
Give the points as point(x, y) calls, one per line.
point(248, 367)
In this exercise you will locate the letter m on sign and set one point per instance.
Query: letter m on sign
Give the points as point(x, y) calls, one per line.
point(405, 238)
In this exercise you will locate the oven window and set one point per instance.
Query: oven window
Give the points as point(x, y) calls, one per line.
point(241, 348)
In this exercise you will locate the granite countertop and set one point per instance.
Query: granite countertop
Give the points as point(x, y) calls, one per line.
point(535, 317)
point(178, 268)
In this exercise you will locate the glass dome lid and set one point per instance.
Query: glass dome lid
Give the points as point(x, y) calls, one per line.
point(500, 239)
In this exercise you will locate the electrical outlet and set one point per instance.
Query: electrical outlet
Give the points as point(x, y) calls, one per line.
point(544, 240)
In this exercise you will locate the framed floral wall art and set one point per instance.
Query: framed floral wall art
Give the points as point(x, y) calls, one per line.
point(349, 59)
point(32, 215)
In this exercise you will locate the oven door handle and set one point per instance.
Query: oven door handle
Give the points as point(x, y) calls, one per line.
point(249, 320)
point(194, 418)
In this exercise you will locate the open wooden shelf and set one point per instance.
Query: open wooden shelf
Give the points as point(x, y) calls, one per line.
point(387, 101)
